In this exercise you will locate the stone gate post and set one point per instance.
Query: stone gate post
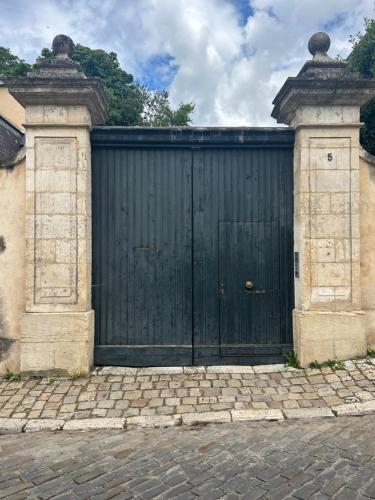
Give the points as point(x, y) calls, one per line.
point(61, 105)
point(323, 105)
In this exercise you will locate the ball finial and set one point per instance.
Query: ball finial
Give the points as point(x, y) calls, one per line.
point(63, 46)
point(319, 43)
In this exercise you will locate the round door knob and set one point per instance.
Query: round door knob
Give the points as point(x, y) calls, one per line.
point(249, 284)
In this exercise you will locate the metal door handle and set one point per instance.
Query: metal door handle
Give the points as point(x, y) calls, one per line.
point(249, 284)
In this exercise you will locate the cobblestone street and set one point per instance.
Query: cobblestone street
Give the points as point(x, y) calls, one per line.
point(187, 395)
point(321, 458)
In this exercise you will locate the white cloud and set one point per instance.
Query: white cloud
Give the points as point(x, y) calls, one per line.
point(230, 70)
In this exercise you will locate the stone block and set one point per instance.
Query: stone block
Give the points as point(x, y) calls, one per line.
point(217, 417)
point(57, 342)
point(325, 249)
point(307, 413)
point(154, 421)
point(253, 415)
point(268, 368)
point(319, 336)
point(340, 203)
point(229, 369)
point(343, 250)
point(162, 370)
point(328, 181)
point(87, 424)
point(322, 294)
point(78, 115)
point(44, 424)
point(320, 203)
point(54, 114)
point(55, 203)
point(34, 114)
point(331, 274)
point(60, 181)
point(12, 425)
point(330, 226)
point(346, 349)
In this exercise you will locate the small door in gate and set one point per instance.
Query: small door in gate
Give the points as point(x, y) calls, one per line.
point(249, 284)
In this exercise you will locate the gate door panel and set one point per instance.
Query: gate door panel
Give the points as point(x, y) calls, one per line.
point(243, 231)
point(249, 282)
point(142, 286)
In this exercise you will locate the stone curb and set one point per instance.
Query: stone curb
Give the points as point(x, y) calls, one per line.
point(153, 421)
point(173, 370)
point(16, 425)
point(355, 409)
point(256, 369)
point(45, 424)
point(307, 413)
point(80, 424)
point(253, 415)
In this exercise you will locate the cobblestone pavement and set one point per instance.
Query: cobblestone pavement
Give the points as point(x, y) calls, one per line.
point(317, 459)
point(129, 392)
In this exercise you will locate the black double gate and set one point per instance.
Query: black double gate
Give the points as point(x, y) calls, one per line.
point(192, 245)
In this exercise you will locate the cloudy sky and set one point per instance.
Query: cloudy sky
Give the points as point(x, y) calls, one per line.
point(229, 57)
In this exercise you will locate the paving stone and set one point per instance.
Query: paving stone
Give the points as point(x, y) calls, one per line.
point(114, 393)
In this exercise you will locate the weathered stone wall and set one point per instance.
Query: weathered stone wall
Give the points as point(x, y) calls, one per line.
point(12, 263)
point(327, 209)
point(329, 321)
point(367, 221)
point(57, 327)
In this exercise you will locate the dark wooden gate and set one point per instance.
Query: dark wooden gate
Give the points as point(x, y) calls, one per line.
point(192, 245)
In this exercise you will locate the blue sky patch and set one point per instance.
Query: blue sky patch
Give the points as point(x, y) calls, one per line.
point(336, 22)
point(159, 72)
point(244, 9)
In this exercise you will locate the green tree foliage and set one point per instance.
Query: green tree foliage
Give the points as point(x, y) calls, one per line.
point(362, 61)
point(158, 112)
point(130, 103)
point(11, 65)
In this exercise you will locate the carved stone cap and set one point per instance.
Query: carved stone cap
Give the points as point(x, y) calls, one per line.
point(60, 65)
point(322, 65)
point(62, 91)
point(322, 81)
point(61, 81)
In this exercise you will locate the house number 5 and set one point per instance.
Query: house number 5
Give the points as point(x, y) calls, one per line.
point(330, 156)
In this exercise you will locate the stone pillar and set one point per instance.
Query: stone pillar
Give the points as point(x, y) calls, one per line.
point(323, 105)
point(57, 328)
